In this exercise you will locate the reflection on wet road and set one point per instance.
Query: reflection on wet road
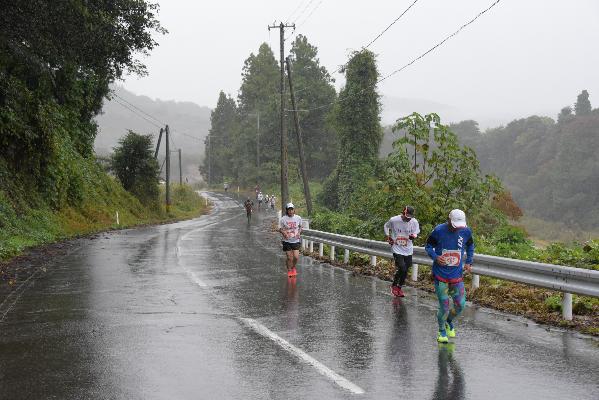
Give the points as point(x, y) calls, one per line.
point(202, 309)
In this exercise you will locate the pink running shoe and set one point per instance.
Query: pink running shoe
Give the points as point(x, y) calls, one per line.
point(396, 290)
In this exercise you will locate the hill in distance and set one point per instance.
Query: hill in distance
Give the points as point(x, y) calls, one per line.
point(189, 124)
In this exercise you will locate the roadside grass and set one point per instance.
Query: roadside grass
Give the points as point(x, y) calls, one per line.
point(28, 226)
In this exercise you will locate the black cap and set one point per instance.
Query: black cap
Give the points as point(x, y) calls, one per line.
point(408, 212)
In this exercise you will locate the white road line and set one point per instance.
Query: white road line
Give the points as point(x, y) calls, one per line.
point(196, 279)
point(321, 368)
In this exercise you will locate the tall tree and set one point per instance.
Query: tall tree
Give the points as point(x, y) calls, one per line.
point(583, 105)
point(258, 95)
point(136, 168)
point(219, 153)
point(314, 87)
point(357, 118)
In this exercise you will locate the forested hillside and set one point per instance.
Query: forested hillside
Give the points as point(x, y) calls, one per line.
point(58, 61)
point(551, 167)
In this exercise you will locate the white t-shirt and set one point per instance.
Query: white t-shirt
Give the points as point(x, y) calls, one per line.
point(260, 197)
point(400, 232)
point(292, 225)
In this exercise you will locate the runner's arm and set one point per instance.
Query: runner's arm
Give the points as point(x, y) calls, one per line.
point(431, 243)
point(469, 250)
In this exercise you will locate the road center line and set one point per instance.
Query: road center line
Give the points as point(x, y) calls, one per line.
point(321, 368)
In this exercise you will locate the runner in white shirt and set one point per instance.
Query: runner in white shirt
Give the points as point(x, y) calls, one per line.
point(401, 230)
point(290, 227)
point(260, 198)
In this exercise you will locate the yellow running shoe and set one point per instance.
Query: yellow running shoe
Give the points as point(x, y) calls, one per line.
point(442, 338)
point(449, 329)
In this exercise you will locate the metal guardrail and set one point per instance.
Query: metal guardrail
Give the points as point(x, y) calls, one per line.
point(555, 277)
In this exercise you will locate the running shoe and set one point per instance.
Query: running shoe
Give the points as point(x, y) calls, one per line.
point(396, 290)
point(400, 293)
point(293, 272)
point(442, 338)
point(290, 273)
point(449, 329)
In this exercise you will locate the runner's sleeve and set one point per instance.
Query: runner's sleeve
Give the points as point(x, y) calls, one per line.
point(431, 243)
point(470, 250)
point(387, 227)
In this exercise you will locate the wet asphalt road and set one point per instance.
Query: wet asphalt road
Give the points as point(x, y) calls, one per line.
point(203, 309)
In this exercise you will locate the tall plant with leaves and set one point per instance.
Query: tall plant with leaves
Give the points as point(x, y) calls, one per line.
point(357, 120)
point(431, 171)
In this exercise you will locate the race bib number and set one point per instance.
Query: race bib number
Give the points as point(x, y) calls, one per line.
point(401, 241)
point(452, 257)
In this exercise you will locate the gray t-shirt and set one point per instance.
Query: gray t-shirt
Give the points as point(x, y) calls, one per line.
point(293, 226)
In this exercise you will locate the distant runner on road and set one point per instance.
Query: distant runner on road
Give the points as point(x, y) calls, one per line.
point(290, 227)
point(446, 246)
point(273, 200)
point(260, 199)
point(401, 230)
point(249, 208)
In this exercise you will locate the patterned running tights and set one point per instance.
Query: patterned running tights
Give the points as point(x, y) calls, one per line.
point(444, 291)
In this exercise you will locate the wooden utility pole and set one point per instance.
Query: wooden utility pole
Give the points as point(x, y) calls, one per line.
point(180, 170)
point(158, 144)
point(284, 162)
point(168, 170)
point(300, 144)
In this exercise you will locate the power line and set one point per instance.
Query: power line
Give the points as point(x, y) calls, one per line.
point(133, 109)
point(139, 109)
point(441, 42)
point(413, 60)
point(390, 25)
point(296, 9)
point(136, 113)
point(304, 20)
point(309, 15)
point(303, 11)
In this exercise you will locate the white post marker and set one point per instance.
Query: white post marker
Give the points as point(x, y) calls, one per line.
point(373, 261)
point(311, 246)
point(475, 281)
point(346, 256)
point(117, 218)
point(332, 253)
point(567, 306)
point(321, 249)
point(320, 367)
point(414, 272)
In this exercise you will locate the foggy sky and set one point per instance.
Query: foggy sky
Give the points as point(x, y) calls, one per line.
point(523, 57)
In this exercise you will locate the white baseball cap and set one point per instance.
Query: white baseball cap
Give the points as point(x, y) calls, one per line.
point(457, 218)
point(289, 205)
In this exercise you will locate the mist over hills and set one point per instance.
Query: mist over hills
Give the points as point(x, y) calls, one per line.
point(189, 124)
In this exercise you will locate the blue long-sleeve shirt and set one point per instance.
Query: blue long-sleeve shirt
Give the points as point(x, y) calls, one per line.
point(451, 245)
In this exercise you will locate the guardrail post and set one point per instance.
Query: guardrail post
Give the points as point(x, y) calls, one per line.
point(475, 281)
point(346, 256)
point(567, 306)
point(321, 249)
point(414, 272)
point(373, 261)
point(311, 246)
point(332, 253)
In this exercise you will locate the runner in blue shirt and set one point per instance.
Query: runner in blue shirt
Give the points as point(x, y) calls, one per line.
point(446, 246)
